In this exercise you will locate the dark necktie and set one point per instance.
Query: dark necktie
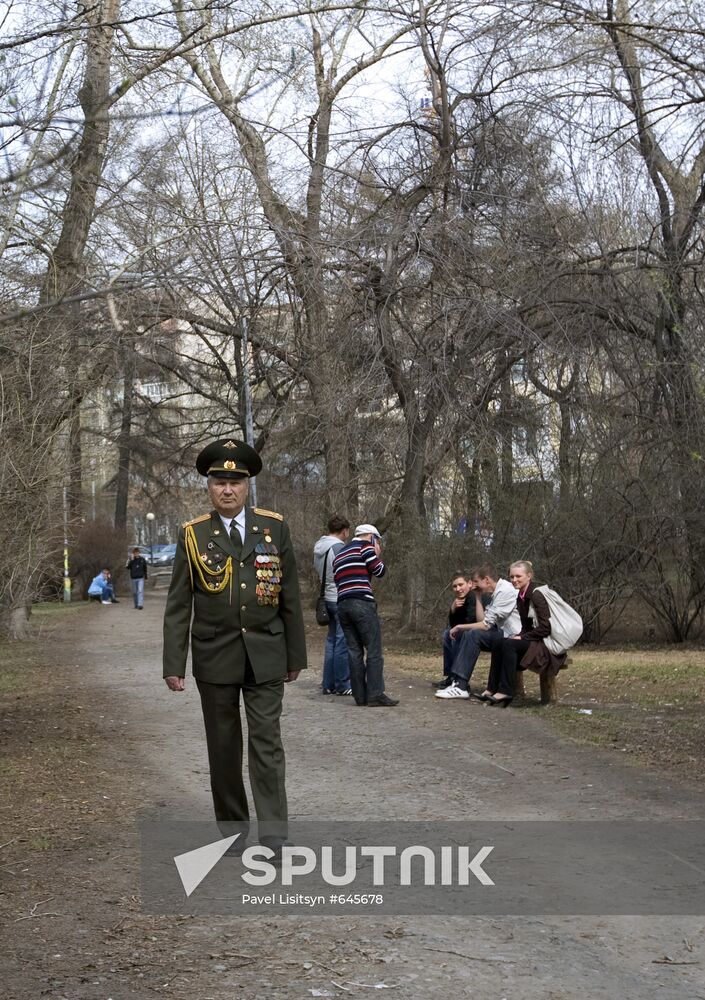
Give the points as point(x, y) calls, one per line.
point(235, 538)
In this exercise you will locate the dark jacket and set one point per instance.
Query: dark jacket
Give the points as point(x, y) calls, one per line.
point(466, 614)
point(240, 612)
point(534, 598)
point(137, 568)
point(537, 657)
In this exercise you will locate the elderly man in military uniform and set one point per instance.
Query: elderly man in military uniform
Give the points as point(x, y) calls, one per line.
point(235, 573)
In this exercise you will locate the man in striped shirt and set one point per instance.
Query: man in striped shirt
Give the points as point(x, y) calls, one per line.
point(353, 568)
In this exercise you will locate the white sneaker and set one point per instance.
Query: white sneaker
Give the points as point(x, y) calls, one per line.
point(106, 602)
point(453, 690)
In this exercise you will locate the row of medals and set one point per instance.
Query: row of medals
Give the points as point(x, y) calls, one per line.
point(268, 573)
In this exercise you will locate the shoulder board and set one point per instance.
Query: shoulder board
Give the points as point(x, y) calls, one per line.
point(196, 520)
point(268, 513)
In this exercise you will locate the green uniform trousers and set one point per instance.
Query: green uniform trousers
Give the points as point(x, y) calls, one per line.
point(265, 754)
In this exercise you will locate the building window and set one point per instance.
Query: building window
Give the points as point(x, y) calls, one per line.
point(525, 442)
point(154, 390)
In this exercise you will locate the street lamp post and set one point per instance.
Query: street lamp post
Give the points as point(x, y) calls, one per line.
point(150, 522)
point(247, 389)
point(67, 574)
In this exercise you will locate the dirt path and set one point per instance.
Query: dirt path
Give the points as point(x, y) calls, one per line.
point(73, 927)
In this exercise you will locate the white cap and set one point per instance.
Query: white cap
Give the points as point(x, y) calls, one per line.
point(366, 529)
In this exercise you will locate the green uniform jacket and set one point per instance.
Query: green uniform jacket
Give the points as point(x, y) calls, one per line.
point(236, 623)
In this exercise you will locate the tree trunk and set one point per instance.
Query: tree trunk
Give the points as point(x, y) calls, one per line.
point(506, 436)
point(564, 454)
point(413, 522)
point(17, 618)
point(334, 427)
point(125, 438)
point(64, 275)
point(684, 407)
point(61, 324)
point(75, 449)
point(680, 192)
point(65, 269)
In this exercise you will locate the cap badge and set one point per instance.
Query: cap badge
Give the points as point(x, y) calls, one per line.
point(230, 466)
point(230, 444)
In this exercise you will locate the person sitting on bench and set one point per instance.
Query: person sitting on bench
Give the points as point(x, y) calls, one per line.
point(499, 620)
point(526, 645)
point(468, 607)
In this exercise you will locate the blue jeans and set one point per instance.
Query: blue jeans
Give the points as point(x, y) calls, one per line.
point(363, 634)
point(471, 643)
point(138, 591)
point(456, 650)
point(336, 669)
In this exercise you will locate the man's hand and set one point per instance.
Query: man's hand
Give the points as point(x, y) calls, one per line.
point(518, 636)
point(457, 629)
point(291, 675)
point(459, 602)
point(175, 683)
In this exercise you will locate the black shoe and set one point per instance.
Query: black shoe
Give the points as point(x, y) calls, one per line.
point(499, 702)
point(480, 697)
point(382, 701)
point(237, 849)
point(446, 682)
point(276, 845)
point(114, 600)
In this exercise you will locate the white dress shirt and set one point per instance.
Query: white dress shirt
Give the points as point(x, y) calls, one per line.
point(502, 609)
point(239, 522)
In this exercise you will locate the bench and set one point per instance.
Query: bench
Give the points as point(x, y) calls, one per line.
point(549, 689)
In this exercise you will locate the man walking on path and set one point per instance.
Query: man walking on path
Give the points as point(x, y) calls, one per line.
point(353, 568)
point(234, 570)
point(336, 669)
point(137, 566)
point(500, 619)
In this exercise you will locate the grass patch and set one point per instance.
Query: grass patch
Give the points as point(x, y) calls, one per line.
point(48, 767)
point(51, 609)
point(670, 677)
point(39, 843)
point(14, 669)
point(665, 740)
point(45, 741)
point(20, 660)
point(647, 704)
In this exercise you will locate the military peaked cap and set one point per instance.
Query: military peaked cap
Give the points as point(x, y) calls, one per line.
point(229, 459)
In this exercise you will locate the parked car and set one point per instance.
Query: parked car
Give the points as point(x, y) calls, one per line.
point(144, 551)
point(165, 555)
point(159, 548)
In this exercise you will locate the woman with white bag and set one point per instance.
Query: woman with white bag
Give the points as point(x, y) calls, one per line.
point(527, 647)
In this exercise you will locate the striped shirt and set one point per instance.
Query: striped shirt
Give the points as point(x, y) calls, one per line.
point(353, 567)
